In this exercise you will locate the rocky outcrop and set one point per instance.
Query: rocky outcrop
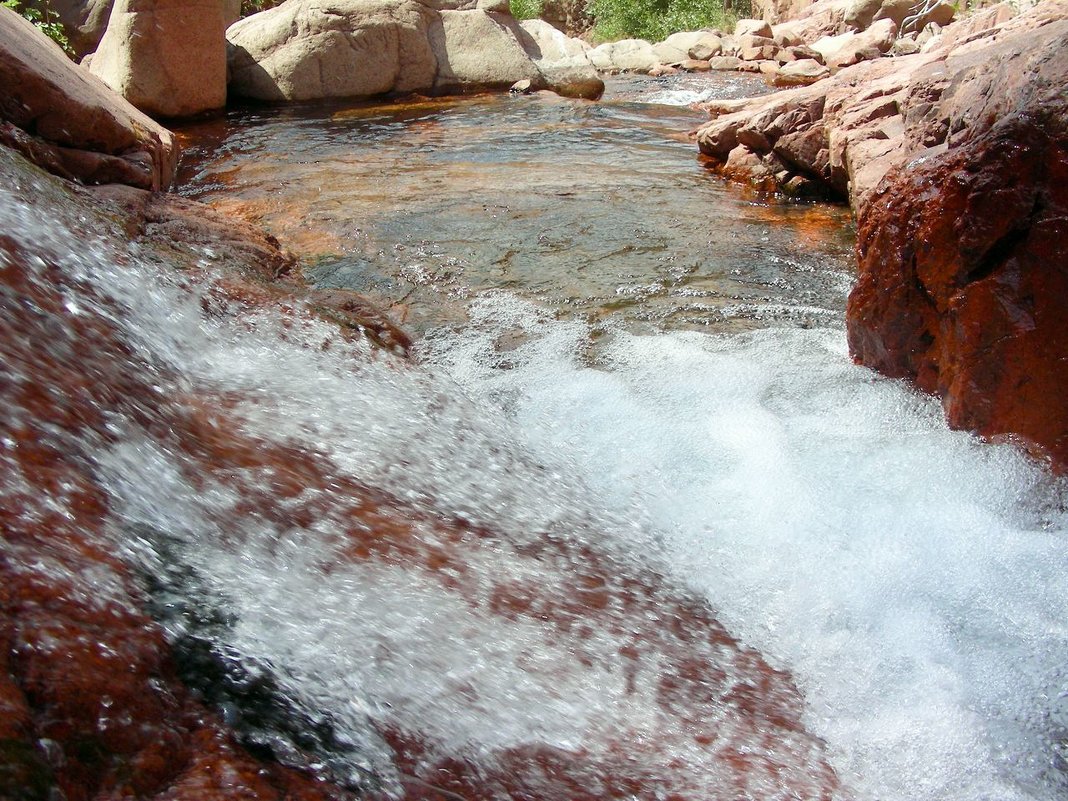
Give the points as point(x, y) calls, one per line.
point(475, 50)
point(306, 49)
point(167, 57)
point(846, 132)
point(963, 253)
point(68, 121)
point(954, 159)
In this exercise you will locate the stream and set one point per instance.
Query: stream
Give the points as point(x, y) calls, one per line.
point(631, 525)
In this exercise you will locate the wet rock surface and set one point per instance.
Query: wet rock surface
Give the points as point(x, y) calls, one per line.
point(114, 681)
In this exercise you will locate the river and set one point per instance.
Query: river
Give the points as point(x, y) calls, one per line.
point(630, 410)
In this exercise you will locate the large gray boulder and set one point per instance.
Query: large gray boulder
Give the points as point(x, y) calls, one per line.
point(547, 43)
point(311, 49)
point(167, 57)
point(66, 120)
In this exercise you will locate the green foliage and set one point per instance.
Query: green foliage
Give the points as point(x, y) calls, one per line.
point(655, 20)
point(526, 9)
point(46, 20)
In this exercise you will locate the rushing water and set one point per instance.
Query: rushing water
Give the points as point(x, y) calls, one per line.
point(631, 391)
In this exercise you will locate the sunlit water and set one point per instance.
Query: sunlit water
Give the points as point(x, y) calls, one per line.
point(912, 580)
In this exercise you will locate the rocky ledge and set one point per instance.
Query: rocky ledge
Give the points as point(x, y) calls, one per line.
point(954, 160)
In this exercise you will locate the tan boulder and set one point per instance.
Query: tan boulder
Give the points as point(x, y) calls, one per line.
point(752, 27)
point(476, 50)
point(708, 46)
point(543, 42)
point(800, 73)
point(864, 46)
point(309, 49)
point(627, 55)
point(677, 46)
point(167, 57)
point(68, 121)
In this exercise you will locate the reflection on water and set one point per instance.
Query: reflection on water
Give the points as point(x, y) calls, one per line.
point(600, 208)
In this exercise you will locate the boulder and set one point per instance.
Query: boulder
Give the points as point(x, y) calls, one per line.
point(577, 80)
point(69, 122)
point(543, 42)
point(476, 50)
point(627, 55)
point(304, 50)
point(708, 46)
point(724, 63)
point(84, 22)
point(752, 27)
point(167, 57)
point(677, 46)
point(864, 46)
point(800, 73)
point(963, 260)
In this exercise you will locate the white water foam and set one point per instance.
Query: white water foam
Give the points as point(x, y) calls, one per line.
point(913, 579)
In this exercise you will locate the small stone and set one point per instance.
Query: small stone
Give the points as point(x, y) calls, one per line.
point(523, 87)
point(694, 65)
point(724, 63)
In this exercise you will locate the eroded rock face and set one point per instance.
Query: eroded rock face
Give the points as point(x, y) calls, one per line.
point(167, 57)
point(68, 121)
point(964, 253)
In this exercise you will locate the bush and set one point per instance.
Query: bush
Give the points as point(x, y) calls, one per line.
point(655, 20)
point(526, 9)
point(46, 20)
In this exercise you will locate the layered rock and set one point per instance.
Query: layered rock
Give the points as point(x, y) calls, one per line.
point(68, 121)
point(167, 57)
point(963, 254)
point(306, 49)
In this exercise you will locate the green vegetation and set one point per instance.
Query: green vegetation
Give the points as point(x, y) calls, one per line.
point(526, 9)
point(42, 15)
point(655, 20)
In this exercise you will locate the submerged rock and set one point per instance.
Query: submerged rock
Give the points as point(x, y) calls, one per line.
point(65, 119)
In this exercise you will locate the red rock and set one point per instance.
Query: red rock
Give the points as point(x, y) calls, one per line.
point(964, 270)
